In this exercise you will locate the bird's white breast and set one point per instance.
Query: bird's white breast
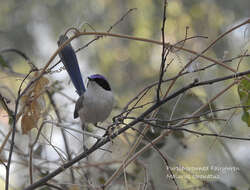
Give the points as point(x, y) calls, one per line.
point(97, 104)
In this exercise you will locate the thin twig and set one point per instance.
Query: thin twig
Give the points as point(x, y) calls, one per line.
point(14, 132)
point(142, 116)
point(121, 19)
point(159, 152)
point(122, 130)
point(235, 163)
point(65, 140)
point(31, 153)
point(97, 36)
point(22, 54)
point(163, 53)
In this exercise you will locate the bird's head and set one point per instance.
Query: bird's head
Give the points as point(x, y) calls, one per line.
point(99, 80)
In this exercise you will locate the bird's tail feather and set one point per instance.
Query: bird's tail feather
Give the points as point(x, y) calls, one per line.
point(69, 59)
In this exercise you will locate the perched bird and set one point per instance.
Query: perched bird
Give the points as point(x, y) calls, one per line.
point(95, 102)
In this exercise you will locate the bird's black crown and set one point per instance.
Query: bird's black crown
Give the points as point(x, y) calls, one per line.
point(101, 80)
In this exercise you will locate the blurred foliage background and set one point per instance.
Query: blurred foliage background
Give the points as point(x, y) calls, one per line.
point(34, 27)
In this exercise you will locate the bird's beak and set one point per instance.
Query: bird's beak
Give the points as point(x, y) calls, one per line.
point(90, 79)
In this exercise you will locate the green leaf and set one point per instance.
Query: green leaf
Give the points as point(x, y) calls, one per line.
point(244, 94)
point(3, 104)
point(3, 63)
point(246, 118)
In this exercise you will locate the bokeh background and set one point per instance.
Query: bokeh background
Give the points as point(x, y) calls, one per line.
point(34, 27)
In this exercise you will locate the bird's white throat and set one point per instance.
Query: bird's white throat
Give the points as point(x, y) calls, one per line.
point(97, 104)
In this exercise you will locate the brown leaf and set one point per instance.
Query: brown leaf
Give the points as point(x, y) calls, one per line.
point(27, 123)
point(33, 102)
point(40, 85)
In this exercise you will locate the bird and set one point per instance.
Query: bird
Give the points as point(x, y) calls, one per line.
point(95, 102)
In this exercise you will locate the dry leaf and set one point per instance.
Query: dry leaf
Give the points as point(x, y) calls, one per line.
point(34, 103)
point(27, 123)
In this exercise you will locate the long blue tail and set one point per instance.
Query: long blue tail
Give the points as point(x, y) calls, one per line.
point(70, 63)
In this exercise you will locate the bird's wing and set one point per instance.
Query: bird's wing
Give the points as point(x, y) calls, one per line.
point(78, 106)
